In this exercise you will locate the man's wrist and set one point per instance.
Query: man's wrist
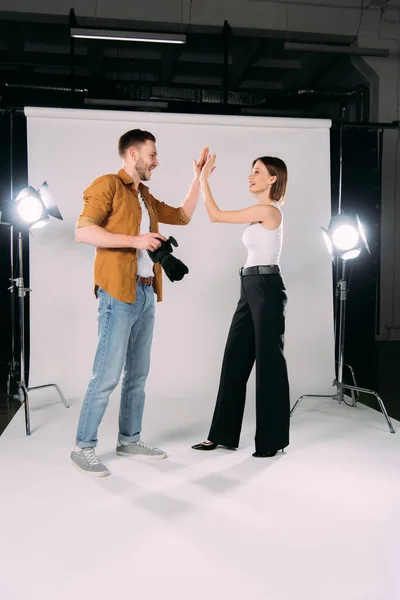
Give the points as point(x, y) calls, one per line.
point(133, 239)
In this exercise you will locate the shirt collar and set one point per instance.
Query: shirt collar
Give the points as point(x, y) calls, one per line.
point(127, 179)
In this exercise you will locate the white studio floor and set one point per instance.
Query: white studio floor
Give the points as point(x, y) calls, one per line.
point(321, 522)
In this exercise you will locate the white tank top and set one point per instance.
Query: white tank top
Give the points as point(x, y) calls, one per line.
point(264, 246)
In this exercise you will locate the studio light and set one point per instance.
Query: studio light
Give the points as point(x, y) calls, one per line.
point(32, 210)
point(30, 207)
point(35, 207)
point(345, 237)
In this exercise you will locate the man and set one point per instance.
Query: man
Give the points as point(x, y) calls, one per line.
point(120, 217)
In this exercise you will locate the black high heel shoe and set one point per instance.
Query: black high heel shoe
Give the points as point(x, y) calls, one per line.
point(204, 446)
point(267, 454)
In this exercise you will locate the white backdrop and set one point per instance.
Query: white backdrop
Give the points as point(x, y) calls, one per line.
point(70, 148)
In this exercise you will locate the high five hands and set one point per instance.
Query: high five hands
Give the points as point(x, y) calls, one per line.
point(198, 165)
point(205, 165)
point(208, 168)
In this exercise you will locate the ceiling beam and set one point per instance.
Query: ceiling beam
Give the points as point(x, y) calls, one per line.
point(169, 63)
point(245, 52)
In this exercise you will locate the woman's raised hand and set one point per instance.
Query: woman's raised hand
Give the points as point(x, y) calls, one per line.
point(208, 168)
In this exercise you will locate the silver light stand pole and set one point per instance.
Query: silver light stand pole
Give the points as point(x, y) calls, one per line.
point(341, 295)
point(20, 286)
point(12, 374)
point(12, 371)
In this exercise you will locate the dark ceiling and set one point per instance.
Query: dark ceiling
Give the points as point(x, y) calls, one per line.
point(217, 70)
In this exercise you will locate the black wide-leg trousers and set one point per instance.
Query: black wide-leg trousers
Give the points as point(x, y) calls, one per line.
point(256, 334)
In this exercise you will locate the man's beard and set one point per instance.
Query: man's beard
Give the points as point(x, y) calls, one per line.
point(141, 169)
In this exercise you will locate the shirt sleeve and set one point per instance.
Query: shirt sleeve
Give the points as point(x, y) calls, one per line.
point(169, 214)
point(97, 201)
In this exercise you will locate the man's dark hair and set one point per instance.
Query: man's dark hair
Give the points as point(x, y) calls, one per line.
point(134, 137)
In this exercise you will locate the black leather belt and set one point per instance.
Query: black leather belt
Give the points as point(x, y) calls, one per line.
point(260, 270)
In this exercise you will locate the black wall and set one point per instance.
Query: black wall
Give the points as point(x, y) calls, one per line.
point(361, 194)
point(13, 167)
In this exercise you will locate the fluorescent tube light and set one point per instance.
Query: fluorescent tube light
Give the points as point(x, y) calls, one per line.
point(333, 49)
point(128, 36)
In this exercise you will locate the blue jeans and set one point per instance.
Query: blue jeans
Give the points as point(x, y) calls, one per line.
point(125, 335)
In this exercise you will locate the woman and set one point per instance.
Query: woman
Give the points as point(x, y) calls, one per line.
point(258, 325)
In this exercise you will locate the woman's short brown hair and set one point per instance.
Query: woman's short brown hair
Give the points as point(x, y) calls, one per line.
point(276, 167)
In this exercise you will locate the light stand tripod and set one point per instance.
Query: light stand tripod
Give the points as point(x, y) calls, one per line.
point(341, 295)
point(342, 290)
point(19, 285)
point(23, 389)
